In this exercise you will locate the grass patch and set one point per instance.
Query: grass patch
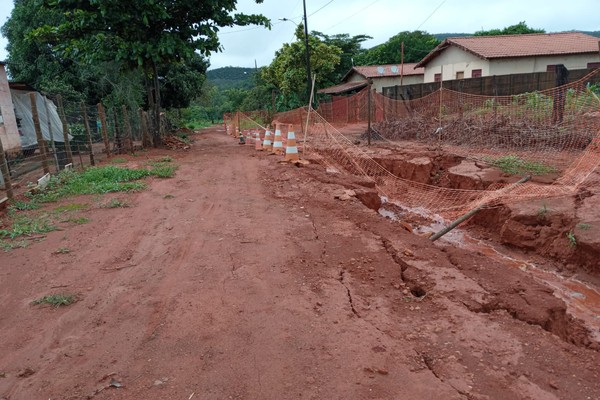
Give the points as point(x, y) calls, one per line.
point(7, 246)
point(57, 300)
point(163, 167)
point(118, 160)
point(584, 227)
point(515, 165)
point(25, 226)
point(168, 196)
point(78, 221)
point(571, 237)
point(95, 180)
point(20, 205)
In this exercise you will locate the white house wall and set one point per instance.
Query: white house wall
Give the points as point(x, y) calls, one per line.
point(539, 64)
point(9, 134)
point(455, 60)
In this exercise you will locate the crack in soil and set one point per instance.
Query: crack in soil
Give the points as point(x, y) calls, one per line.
point(350, 301)
point(391, 250)
point(428, 362)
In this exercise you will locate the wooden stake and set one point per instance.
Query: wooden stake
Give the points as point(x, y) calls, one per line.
point(127, 128)
point(88, 133)
point(102, 116)
point(38, 132)
point(144, 127)
point(63, 119)
point(118, 138)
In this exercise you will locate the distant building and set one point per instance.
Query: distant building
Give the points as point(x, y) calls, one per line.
point(381, 75)
point(9, 133)
point(477, 56)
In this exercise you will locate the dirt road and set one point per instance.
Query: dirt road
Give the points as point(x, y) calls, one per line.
point(242, 278)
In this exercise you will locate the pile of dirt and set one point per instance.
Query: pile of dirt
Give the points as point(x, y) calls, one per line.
point(175, 143)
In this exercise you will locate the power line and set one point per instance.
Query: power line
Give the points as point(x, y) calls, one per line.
point(347, 18)
point(430, 15)
point(328, 3)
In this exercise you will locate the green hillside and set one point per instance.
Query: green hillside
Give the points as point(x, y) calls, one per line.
point(231, 77)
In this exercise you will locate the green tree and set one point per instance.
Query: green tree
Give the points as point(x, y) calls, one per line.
point(351, 48)
point(142, 34)
point(287, 72)
point(518, 29)
point(417, 44)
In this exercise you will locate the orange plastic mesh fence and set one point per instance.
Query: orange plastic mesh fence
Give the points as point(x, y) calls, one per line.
point(555, 130)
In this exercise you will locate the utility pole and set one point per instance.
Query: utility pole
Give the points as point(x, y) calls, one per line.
point(308, 80)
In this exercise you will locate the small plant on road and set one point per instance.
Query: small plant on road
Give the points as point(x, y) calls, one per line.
point(571, 237)
point(584, 227)
point(115, 203)
point(543, 211)
point(62, 250)
point(57, 300)
point(25, 226)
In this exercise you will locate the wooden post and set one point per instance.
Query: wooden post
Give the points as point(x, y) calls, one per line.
point(5, 173)
point(38, 133)
point(52, 144)
point(102, 116)
point(63, 119)
point(127, 128)
point(558, 103)
point(369, 115)
point(118, 138)
point(144, 127)
point(88, 133)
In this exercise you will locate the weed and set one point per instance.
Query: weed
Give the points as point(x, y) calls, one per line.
point(118, 160)
point(7, 246)
point(25, 225)
point(512, 164)
point(584, 227)
point(115, 203)
point(20, 205)
point(78, 221)
point(543, 211)
point(572, 240)
point(62, 250)
point(57, 300)
point(164, 171)
point(169, 196)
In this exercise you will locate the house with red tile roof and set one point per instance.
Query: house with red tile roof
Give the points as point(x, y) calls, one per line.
point(381, 76)
point(476, 56)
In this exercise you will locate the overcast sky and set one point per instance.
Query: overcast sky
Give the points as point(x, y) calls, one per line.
point(382, 19)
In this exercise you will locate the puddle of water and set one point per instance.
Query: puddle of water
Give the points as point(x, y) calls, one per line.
point(582, 300)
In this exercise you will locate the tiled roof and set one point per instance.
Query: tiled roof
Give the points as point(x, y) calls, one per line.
point(508, 46)
point(344, 87)
point(376, 71)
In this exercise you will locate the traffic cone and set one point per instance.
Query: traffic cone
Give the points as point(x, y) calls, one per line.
point(249, 136)
point(277, 143)
point(291, 150)
point(257, 144)
point(267, 145)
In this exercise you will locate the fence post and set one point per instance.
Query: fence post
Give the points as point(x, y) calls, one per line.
point(127, 128)
point(118, 138)
point(38, 133)
point(88, 133)
point(52, 144)
point(102, 116)
point(144, 126)
point(63, 119)
point(369, 115)
point(5, 173)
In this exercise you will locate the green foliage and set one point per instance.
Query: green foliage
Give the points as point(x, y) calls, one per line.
point(7, 246)
point(518, 29)
point(21, 205)
point(583, 226)
point(514, 165)
point(572, 239)
point(25, 226)
point(351, 48)
point(78, 220)
point(163, 167)
point(231, 77)
point(62, 250)
point(115, 203)
point(417, 44)
point(57, 300)
point(287, 72)
point(70, 207)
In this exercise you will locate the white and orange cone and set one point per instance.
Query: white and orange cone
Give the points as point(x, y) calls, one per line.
point(277, 142)
point(267, 145)
point(249, 136)
point(291, 150)
point(257, 143)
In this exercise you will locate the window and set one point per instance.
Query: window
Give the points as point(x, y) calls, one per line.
point(593, 65)
point(476, 73)
point(460, 74)
point(551, 68)
point(437, 78)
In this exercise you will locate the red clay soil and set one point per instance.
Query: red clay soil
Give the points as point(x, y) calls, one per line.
point(243, 278)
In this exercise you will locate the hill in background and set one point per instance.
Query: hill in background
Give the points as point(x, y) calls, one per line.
point(231, 77)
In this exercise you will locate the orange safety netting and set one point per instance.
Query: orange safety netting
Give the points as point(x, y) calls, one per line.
point(554, 130)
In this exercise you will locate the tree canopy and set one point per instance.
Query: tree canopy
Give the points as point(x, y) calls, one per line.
point(417, 44)
point(518, 29)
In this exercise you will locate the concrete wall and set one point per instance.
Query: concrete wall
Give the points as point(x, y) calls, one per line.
point(455, 60)
point(9, 134)
point(380, 83)
point(539, 64)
